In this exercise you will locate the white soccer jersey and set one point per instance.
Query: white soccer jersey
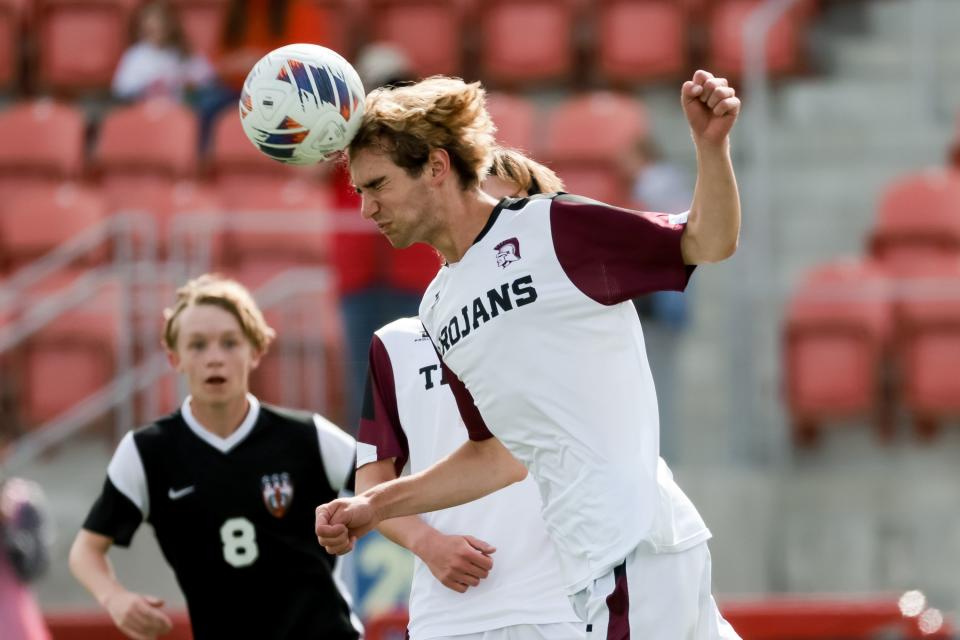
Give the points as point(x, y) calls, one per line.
point(547, 354)
point(410, 415)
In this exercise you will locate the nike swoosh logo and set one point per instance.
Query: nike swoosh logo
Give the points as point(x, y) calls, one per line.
point(179, 493)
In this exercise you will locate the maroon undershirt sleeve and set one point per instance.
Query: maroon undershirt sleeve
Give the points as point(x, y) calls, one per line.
point(380, 421)
point(613, 255)
point(476, 427)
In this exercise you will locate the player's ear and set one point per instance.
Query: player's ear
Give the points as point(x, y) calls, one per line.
point(438, 165)
point(173, 358)
point(255, 357)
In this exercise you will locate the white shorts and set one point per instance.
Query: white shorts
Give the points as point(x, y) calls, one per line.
point(554, 631)
point(654, 597)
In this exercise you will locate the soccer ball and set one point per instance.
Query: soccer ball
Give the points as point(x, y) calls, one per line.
point(301, 103)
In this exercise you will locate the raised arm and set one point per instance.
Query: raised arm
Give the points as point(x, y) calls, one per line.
point(474, 470)
point(713, 226)
point(137, 616)
point(457, 561)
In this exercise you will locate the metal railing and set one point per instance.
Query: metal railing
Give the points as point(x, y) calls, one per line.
point(141, 278)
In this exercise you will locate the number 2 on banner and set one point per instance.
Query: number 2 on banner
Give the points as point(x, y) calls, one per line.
point(239, 542)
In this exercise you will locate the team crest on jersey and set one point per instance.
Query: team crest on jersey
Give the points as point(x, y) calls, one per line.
point(507, 251)
point(277, 493)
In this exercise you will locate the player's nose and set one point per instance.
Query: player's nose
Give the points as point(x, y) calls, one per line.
point(369, 207)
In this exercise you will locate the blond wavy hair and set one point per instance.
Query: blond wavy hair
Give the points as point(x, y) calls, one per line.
point(408, 122)
point(524, 173)
point(229, 295)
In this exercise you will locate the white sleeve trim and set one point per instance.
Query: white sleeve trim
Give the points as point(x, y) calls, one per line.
point(366, 453)
point(678, 218)
point(127, 474)
point(337, 449)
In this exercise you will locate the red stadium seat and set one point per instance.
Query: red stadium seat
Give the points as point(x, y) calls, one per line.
point(203, 22)
point(247, 181)
point(636, 41)
point(42, 144)
point(928, 343)
point(232, 153)
point(154, 137)
point(589, 158)
point(837, 327)
point(784, 42)
point(525, 41)
point(35, 221)
point(919, 219)
point(166, 201)
point(82, 41)
point(430, 32)
point(73, 356)
point(515, 118)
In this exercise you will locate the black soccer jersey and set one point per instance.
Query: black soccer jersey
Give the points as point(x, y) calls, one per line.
point(234, 517)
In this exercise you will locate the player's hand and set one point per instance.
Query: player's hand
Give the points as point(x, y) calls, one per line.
point(138, 616)
point(458, 562)
point(341, 522)
point(711, 107)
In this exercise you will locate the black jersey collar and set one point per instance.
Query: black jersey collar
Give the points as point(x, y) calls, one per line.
point(492, 220)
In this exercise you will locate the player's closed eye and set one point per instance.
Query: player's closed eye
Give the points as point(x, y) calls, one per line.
point(196, 346)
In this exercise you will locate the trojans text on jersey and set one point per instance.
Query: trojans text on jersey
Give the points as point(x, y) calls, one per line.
point(486, 307)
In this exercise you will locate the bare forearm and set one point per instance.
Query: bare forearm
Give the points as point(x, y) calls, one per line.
point(472, 471)
point(410, 532)
point(92, 568)
point(713, 227)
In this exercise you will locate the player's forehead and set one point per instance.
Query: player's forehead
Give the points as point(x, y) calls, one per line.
point(207, 320)
point(367, 165)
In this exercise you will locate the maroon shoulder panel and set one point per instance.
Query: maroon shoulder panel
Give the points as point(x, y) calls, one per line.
point(613, 254)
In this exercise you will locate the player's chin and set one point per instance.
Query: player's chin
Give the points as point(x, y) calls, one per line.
point(399, 241)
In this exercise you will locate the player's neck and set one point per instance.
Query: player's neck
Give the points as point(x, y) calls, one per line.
point(221, 418)
point(464, 217)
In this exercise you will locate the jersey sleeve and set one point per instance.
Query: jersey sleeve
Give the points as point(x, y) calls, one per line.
point(124, 502)
point(469, 413)
point(381, 435)
point(338, 451)
point(613, 255)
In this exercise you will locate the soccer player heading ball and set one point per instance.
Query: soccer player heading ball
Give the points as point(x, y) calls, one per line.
point(544, 351)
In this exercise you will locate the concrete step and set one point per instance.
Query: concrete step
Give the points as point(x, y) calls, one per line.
point(895, 20)
point(880, 58)
point(868, 142)
point(850, 101)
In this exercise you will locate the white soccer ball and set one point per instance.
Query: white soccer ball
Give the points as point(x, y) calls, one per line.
point(300, 103)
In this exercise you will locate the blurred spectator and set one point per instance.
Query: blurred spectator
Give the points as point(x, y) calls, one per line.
point(662, 186)
point(23, 557)
point(381, 64)
point(158, 62)
point(253, 29)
